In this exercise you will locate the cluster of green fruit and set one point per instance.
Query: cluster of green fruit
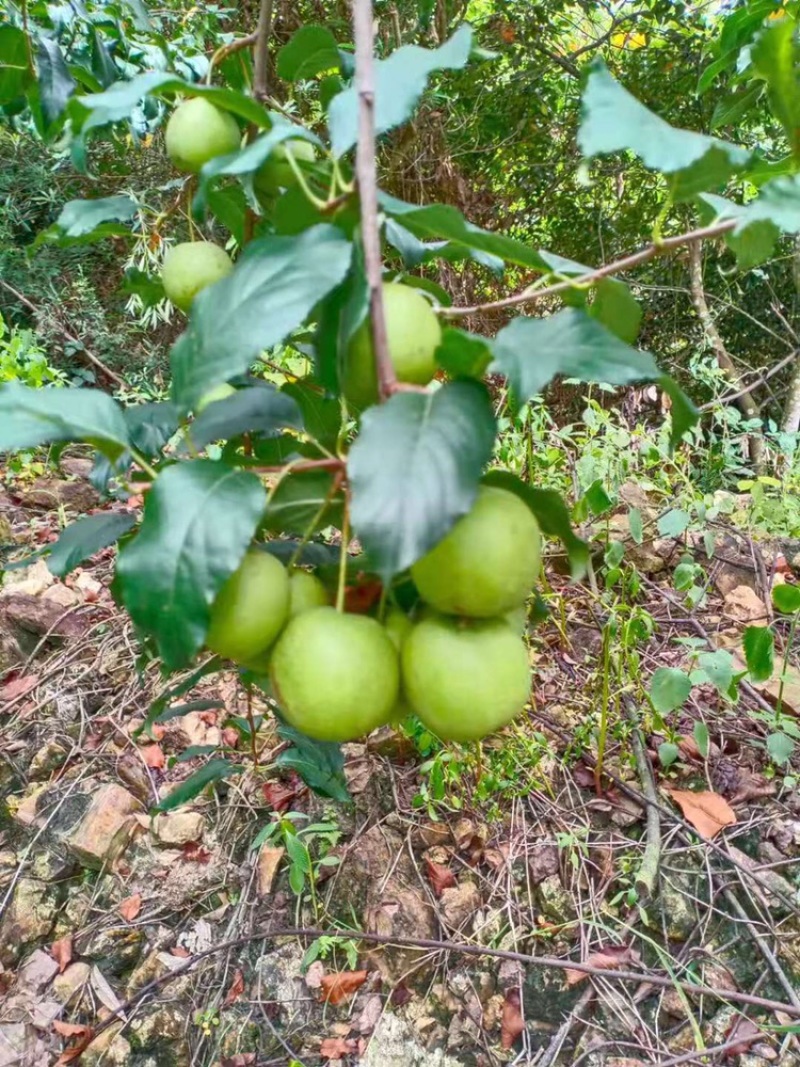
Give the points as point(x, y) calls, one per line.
point(460, 663)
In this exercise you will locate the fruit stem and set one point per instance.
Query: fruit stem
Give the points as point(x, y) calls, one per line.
point(312, 198)
point(336, 484)
point(367, 180)
point(343, 559)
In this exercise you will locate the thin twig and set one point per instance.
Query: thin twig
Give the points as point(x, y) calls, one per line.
point(226, 50)
point(531, 296)
point(762, 380)
point(367, 179)
point(81, 347)
point(647, 875)
point(261, 57)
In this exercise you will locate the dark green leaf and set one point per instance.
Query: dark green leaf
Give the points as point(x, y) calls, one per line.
point(103, 66)
point(446, 221)
point(531, 352)
point(669, 689)
point(338, 318)
point(551, 513)
point(400, 81)
point(613, 120)
point(31, 417)
point(56, 84)
point(228, 204)
point(299, 500)
point(147, 287)
point(786, 598)
point(774, 57)
point(462, 354)
point(683, 411)
point(199, 519)
point(322, 415)
point(597, 498)
point(261, 409)
point(15, 73)
point(214, 771)
point(731, 108)
point(84, 221)
point(310, 51)
point(83, 538)
point(151, 425)
point(413, 251)
point(759, 652)
point(319, 763)
point(616, 307)
point(414, 470)
point(275, 284)
point(311, 554)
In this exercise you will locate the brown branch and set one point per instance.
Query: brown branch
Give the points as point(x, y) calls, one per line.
point(367, 180)
point(532, 296)
point(80, 346)
point(226, 50)
point(261, 57)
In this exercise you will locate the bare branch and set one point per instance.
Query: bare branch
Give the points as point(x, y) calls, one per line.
point(367, 179)
point(261, 57)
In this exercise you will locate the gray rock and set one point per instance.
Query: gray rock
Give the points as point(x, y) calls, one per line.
point(393, 1045)
point(30, 916)
point(104, 830)
point(161, 1031)
point(678, 907)
point(555, 902)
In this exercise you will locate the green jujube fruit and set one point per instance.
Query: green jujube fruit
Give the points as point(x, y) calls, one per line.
point(276, 172)
point(198, 131)
point(306, 591)
point(190, 267)
point(250, 610)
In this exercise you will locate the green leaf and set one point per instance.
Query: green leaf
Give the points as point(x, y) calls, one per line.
point(669, 689)
point(83, 538)
point(311, 51)
point(298, 853)
point(718, 669)
point(275, 284)
point(414, 470)
point(730, 109)
point(684, 414)
point(774, 57)
point(531, 352)
point(400, 81)
point(780, 747)
point(701, 737)
point(635, 525)
point(674, 523)
point(31, 417)
point(228, 204)
point(148, 287)
point(338, 318)
point(668, 754)
point(616, 307)
point(462, 354)
point(103, 66)
point(199, 519)
point(15, 74)
point(759, 652)
point(597, 498)
point(446, 221)
point(151, 425)
point(683, 576)
point(84, 221)
point(159, 710)
point(298, 500)
point(214, 771)
point(322, 415)
point(319, 763)
point(260, 409)
point(56, 84)
point(551, 513)
point(786, 598)
point(613, 120)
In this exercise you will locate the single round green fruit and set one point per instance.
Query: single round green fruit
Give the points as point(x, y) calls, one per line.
point(413, 334)
point(190, 267)
point(336, 676)
point(488, 562)
point(198, 131)
point(465, 678)
point(398, 626)
point(219, 392)
point(251, 609)
point(306, 591)
point(276, 173)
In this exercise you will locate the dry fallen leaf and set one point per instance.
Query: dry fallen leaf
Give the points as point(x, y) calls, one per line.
point(70, 1029)
point(336, 1048)
point(130, 907)
point(61, 951)
point(269, 860)
point(707, 812)
point(17, 687)
point(512, 1023)
point(337, 987)
point(194, 852)
point(745, 1031)
point(83, 1036)
point(236, 989)
point(278, 795)
point(153, 757)
point(608, 958)
point(441, 878)
point(179, 951)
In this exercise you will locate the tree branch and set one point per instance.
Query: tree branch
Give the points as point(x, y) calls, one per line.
point(367, 180)
point(261, 57)
point(532, 296)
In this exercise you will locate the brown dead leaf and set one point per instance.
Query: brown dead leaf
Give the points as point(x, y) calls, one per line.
point(335, 988)
point(400, 995)
point(236, 989)
point(745, 1032)
point(179, 951)
point(70, 1029)
point(83, 1038)
point(61, 951)
point(194, 852)
point(440, 877)
point(269, 860)
point(154, 757)
point(608, 958)
point(707, 812)
point(279, 795)
point(17, 687)
point(361, 597)
point(336, 1048)
point(130, 907)
point(230, 737)
point(512, 1023)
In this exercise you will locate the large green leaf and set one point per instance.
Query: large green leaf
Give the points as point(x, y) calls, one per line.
point(151, 425)
point(322, 414)
point(446, 221)
point(319, 763)
point(669, 689)
point(15, 73)
point(260, 409)
point(199, 519)
point(414, 470)
point(400, 81)
point(774, 57)
point(83, 538)
point(683, 412)
point(310, 51)
point(103, 66)
point(531, 352)
point(276, 283)
point(759, 652)
point(56, 84)
point(617, 308)
point(31, 417)
point(298, 501)
point(551, 513)
point(613, 120)
point(462, 354)
point(751, 242)
point(84, 221)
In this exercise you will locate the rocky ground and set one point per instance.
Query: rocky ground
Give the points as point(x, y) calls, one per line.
point(159, 940)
